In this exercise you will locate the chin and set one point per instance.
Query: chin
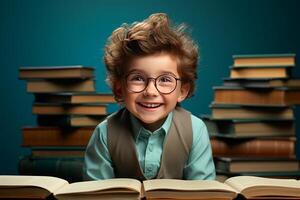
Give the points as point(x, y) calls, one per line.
point(149, 121)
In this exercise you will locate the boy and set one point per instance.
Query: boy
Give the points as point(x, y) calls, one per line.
point(151, 69)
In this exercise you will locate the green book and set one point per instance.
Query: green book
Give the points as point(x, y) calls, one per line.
point(70, 169)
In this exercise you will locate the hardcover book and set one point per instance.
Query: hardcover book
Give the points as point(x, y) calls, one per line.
point(256, 164)
point(239, 95)
point(49, 86)
point(69, 109)
point(250, 127)
point(264, 60)
point(230, 111)
point(70, 120)
point(262, 83)
point(55, 136)
point(259, 72)
point(282, 147)
point(74, 98)
point(69, 168)
point(56, 72)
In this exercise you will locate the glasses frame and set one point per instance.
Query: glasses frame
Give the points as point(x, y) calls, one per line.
point(154, 81)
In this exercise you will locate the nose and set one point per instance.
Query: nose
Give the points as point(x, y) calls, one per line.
point(151, 88)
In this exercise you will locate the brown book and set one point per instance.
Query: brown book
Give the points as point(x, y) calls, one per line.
point(264, 60)
point(238, 95)
point(250, 127)
point(261, 83)
point(55, 136)
point(70, 120)
point(259, 72)
point(73, 98)
point(56, 72)
point(259, 147)
point(250, 187)
point(73, 85)
point(57, 153)
point(69, 109)
point(229, 111)
point(256, 164)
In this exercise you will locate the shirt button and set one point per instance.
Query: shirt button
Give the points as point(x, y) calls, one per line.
point(149, 169)
point(150, 147)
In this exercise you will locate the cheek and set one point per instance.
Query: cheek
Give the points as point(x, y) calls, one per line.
point(129, 97)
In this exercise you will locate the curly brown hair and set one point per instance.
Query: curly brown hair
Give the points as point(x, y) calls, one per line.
point(153, 35)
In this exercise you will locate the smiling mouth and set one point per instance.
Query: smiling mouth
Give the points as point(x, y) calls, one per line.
point(150, 105)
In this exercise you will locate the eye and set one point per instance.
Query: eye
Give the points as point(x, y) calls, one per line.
point(166, 79)
point(136, 78)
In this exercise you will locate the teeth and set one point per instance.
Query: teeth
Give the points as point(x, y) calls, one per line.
point(150, 105)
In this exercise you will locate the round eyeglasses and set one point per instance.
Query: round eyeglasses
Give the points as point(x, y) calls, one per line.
point(165, 83)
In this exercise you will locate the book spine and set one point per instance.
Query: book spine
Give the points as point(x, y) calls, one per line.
point(249, 97)
point(70, 169)
point(56, 137)
point(54, 120)
point(254, 147)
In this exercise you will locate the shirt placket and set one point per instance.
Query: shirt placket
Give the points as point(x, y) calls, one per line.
point(150, 158)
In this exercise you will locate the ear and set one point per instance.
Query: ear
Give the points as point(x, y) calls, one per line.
point(118, 91)
point(184, 91)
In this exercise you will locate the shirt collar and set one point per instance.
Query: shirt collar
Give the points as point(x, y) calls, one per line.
point(138, 128)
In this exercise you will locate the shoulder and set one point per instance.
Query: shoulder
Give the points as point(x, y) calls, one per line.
point(100, 132)
point(198, 126)
point(197, 123)
point(101, 129)
point(199, 129)
point(102, 126)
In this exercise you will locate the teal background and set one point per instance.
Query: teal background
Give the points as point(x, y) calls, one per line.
point(74, 32)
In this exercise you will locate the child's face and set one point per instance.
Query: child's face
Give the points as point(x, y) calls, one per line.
point(150, 106)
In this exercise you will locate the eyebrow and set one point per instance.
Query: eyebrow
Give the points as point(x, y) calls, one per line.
point(143, 72)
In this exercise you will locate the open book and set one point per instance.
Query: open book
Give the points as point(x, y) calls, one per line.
point(249, 187)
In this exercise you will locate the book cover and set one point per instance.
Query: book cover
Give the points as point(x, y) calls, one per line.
point(257, 146)
point(70, 120)
point(74, 98)
point(50, 86)
point(68, 168)
point(57, 152)
point(256, 164)
point(287, 59)
point(230, 111)
point(261, 83)
point(239, 95)
point(260, 72)
point(55, 136)
point(69, 109)
point(250, 127)
point(56, 72)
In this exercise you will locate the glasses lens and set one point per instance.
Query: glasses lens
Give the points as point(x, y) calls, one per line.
point(166, 83)
point(136, 82)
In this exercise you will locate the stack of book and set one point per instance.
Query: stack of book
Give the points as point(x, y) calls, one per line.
point(68, 108)
point(252, 124)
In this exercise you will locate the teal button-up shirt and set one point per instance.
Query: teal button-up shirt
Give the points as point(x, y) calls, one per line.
point(149, 146)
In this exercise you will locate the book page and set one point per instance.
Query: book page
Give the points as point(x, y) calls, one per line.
point(242, 182)
point(47, 182)
point(259, 186)
point(120, 185)
point(186, 185)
